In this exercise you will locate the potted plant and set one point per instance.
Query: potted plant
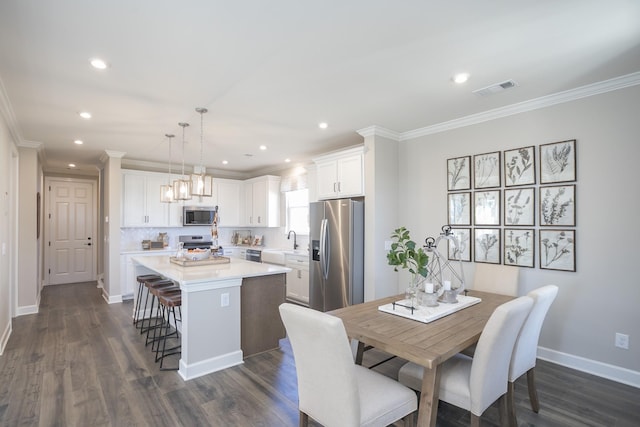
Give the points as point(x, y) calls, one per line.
point(405, 254)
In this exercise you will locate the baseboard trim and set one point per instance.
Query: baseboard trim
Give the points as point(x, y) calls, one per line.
point(5, 337)
point(600, 369)
point(111, 299)
point(27, 309)
point(198, 369)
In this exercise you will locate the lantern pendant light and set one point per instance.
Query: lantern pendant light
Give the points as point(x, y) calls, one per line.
point(201, 183)
point(166, 191)
point(182, 186)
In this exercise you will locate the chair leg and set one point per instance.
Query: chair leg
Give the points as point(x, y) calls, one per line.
point(304, 419)
point(475, 420)
point(511, 403)
point(410, 419)
point(504, 410)
point(533, 394)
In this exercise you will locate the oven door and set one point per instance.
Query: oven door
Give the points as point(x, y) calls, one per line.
point(254, 255)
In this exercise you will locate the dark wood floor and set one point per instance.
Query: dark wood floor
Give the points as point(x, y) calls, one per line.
point(79, 362)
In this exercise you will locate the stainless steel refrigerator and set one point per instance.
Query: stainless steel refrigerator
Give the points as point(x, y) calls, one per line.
point(336, 267)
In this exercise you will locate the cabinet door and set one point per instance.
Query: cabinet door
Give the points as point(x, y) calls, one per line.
point(304, 286)
point(327, 179)
point(175, 214)
point(259, 203)
point(249, 219)
point(133, 201)
point(350, 176)
point(157, 212)
point(229, 193)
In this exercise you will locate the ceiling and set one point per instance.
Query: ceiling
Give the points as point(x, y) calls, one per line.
point(270, 71)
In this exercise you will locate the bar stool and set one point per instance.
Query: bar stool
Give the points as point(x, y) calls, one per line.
point(150, 283)
point(157, 291)
point(141, 279)
point(169, 303)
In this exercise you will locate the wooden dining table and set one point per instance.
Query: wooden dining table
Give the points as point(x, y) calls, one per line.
point(427, 344)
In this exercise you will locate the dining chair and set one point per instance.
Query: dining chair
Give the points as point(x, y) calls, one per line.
point(496, 278)
point(475, 383)
point(523, 359)
point(332, 389)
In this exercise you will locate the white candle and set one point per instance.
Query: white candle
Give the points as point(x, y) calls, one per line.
point(428, 288)
point(447, 285)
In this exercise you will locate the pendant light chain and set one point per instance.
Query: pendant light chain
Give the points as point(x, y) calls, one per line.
point(184, 125)
point(201, 111)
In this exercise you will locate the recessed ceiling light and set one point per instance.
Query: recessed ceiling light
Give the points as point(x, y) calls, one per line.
point(263, 147)
point(85, 115)
point(460, 78)
point(98, 64)
point(323, 125)
point(225, 162)
point(287, 160)
point(72, 165)
point(78, 142)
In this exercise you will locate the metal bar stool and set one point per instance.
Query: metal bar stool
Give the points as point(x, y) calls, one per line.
point(160, 314)
point(148, 284)
point(169, 304)
point(141, 279)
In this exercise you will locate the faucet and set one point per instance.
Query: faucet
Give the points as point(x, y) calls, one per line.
point(295, 243)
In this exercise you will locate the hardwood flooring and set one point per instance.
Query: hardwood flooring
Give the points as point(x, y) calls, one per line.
point(79, 362)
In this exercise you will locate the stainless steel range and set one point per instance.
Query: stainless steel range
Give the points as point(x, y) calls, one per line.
point(195, 242)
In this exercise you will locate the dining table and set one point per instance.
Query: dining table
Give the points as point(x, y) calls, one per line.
point(426, 344)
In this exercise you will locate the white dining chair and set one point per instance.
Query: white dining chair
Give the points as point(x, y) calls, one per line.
point(332, 389)
point(523, 359)
point(475, 383)
point(496, 278)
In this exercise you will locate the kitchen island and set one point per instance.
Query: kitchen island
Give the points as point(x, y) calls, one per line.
point(229, 311)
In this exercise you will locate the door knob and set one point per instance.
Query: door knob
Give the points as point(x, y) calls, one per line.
point(87, 244)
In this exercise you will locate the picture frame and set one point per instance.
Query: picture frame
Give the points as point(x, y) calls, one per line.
point(486, 245)
point(464, 245)
point(557, 249)
point(459, 208)
point(519, 206)
point(459, 173)
point(558, 162)
point(519, 247)
point(486, 170)
point(557, 205)
point(520, 166)
point(486, 207)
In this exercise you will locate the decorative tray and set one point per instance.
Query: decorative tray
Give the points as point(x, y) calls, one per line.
point(196, 262)
point(428, 314)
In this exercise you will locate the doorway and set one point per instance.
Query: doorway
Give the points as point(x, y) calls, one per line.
point(70, 230)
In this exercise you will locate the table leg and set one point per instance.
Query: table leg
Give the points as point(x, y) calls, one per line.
point(359, 353)
point(429, 396)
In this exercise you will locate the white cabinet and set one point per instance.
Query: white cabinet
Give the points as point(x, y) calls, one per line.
point(298, 278)
point(141, 205)
point(340, 174)
point(128, 282)
point(228, 192)
point(262, 201)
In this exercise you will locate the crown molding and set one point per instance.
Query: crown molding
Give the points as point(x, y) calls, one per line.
point(30, 144)
point(380, 131)
point(6, 112)
point(533, 104)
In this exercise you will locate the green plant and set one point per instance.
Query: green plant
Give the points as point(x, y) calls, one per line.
point(403, 253)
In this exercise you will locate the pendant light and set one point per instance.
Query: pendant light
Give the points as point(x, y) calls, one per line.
point(166, 191)
point(182, 186)
point(201, 183)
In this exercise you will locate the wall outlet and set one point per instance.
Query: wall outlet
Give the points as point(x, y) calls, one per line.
point(224, 300)
point(622, 341)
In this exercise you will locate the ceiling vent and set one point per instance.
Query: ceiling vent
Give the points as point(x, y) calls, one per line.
point(498, 87)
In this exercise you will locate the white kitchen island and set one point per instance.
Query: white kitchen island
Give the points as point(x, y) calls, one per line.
point(216, 324)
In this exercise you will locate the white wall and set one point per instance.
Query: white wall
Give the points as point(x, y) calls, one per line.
point(602, 297)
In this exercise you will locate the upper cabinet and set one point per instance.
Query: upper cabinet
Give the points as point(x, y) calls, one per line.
point(141, 206)
point(340, 174)
point(262, 201)
point(227, 193)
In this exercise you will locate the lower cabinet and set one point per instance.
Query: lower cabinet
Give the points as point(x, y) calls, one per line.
point(128, 271)
point(298, 278)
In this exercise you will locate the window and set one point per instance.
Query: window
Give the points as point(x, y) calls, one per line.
point(297, 211)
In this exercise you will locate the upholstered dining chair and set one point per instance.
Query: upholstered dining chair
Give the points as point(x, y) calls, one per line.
point(497, 279)
point(475, 383)
point(523, 359)
point(332, 389)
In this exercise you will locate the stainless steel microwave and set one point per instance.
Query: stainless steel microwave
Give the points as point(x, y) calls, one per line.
point(198, 215)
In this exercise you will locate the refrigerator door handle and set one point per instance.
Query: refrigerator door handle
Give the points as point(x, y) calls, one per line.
point(324, 247)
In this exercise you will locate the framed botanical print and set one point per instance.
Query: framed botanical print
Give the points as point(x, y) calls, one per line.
point(519, 167)
point(558, 250)
point(463, 250)
point(486, 170)
point(519, 206)
point(519, 245)
point(487, 245)
point(558, 162)
point(557, 205)
point(459, 173)
point(459, 208)
point(486, 207)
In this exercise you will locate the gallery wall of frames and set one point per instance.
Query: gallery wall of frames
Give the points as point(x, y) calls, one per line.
point(515, 207)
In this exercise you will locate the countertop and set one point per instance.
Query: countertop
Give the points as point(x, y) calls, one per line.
point(236, 269)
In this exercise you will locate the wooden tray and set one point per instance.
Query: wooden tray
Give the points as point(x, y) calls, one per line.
point(206, 261)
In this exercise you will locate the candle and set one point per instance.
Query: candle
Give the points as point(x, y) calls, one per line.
point(428, 288)
point(447, 285)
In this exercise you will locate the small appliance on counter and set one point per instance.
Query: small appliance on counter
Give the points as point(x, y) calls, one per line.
point(152, 244)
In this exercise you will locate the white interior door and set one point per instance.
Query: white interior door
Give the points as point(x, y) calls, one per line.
point(71, 245)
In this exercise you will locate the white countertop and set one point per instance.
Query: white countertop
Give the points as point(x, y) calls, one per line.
point(236, 269)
